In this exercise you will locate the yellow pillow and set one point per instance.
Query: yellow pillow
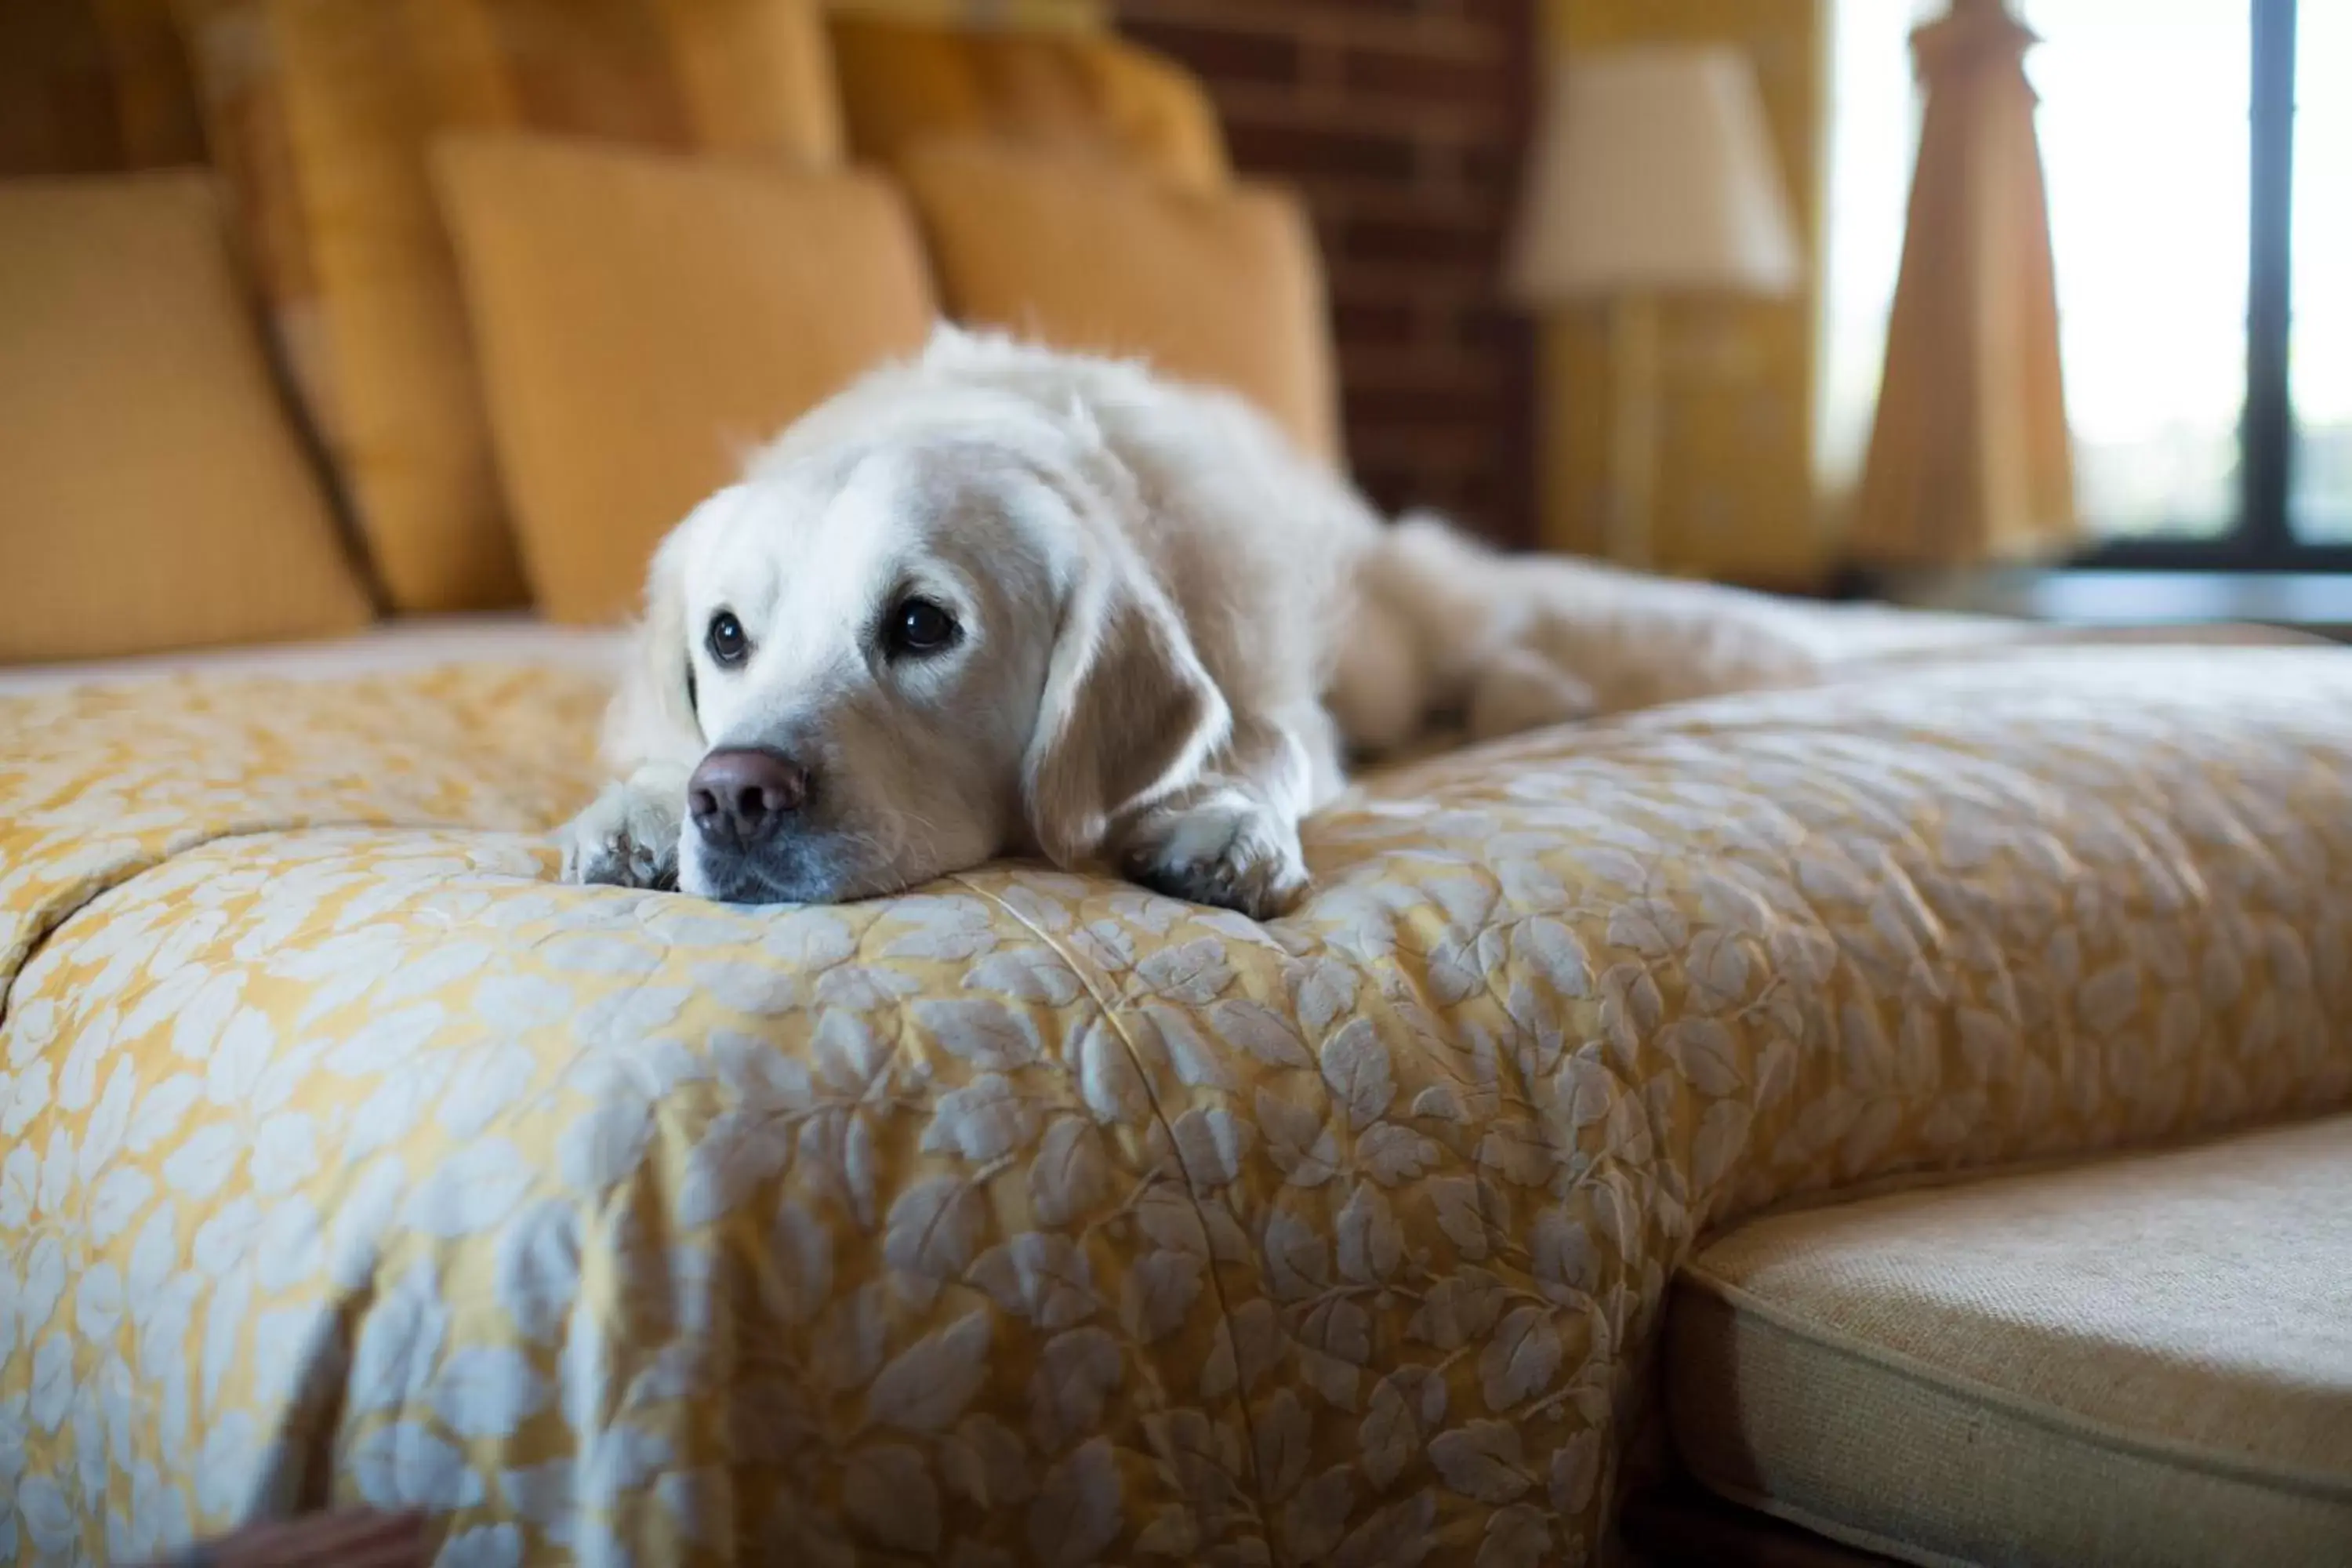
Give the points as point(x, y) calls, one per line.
point(643, 321)
point(320, 111)
point(1222, 287)
point(153, 493)
point(904, 83)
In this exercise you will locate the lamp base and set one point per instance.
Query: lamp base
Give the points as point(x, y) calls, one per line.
point(1632, 431)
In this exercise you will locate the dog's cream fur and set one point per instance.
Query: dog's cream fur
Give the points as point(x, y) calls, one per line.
point(1164, 608)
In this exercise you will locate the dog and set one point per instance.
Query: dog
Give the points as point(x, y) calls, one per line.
point(999, 599)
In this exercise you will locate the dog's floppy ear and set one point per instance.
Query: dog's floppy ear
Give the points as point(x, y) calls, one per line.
point(653, 714)
point(1127, 714)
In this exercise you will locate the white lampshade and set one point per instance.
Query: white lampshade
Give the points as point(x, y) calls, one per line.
point(1654, 171)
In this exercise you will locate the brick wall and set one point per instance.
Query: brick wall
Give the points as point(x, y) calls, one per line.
point(1401, 123)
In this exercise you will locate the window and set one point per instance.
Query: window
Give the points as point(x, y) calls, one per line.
point(2319, 351)
point(2196, 169)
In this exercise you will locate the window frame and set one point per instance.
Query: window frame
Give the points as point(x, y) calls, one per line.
point(2261, 538)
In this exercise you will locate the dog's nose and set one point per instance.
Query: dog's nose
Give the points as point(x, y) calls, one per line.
point(739, 797)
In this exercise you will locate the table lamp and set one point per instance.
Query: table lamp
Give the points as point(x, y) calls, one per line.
point(1651, 173)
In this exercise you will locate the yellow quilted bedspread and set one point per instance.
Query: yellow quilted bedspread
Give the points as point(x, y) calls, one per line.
point(1031, 1218)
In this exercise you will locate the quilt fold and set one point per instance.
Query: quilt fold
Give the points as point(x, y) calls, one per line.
point(1033, 1217)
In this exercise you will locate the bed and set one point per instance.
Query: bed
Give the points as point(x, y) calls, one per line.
point(1030, 1216)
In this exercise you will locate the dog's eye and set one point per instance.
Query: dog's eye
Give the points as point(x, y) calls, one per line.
point(920, 627)
point(729, 647)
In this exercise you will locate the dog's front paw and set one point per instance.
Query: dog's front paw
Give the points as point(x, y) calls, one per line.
point(1236, 854)
point(628, 838)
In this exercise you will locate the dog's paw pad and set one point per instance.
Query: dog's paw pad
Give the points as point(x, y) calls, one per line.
point(1243, 860)
point(624, 840)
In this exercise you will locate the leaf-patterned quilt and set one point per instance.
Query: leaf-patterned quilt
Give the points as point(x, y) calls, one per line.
point(1035, 1218)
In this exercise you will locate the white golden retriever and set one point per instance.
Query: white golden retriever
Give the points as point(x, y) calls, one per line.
point(999, 599)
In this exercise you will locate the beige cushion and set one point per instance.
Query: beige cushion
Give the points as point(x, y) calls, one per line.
point(645, 321)
point(905, 82)
point(320, 114)
point(1222, 287)
point(154, 494)
point(2141, 1360)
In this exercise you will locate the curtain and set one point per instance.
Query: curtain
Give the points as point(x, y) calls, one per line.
point(1969, 459)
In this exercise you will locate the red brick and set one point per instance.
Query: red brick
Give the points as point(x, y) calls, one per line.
point(1491, 170)
point(1436, 283)
point(1433, 23)
point(1423, 360)
point(1222, 54)
point(1417, 76)
point(1374, 322)
point(1516, 18)
point(1369, 154)
point(1419, 446)
point(1400, 122)
point(1237, 14)
point(1475, 242)
point(1430, 403)
point(1450, 125)
point(1493, 328)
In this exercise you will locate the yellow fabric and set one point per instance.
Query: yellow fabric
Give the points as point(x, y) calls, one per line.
point(904, 83)
point(90, 86)
point(348, 1156)
point(643, 322)
point(1222, 287)
point(320, 111)
point(1970, 458)
point(2141, 1362)
point(153, 491)
point(1734, 492)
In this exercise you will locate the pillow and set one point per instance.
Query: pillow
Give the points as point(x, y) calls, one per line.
point(904, 83)
point(1220, 287)
point(320, 113)
point(645, 321)
point(153, 492)
point(92, 86)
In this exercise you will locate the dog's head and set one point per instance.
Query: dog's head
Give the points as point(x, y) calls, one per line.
point(907, 644)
